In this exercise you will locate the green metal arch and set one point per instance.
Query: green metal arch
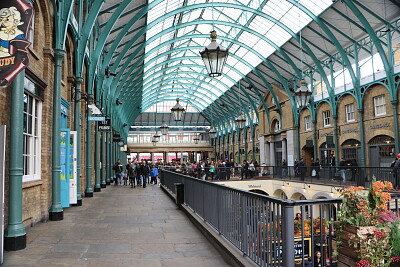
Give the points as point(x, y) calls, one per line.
point(250, 66)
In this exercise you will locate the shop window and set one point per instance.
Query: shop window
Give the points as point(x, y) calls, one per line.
point(350, 112)
point(307, 121)
point(327, 118)
point(32, 138)
point(350, 150)
point(380, 105)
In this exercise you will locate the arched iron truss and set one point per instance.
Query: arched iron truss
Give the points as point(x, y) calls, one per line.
point(118, 33)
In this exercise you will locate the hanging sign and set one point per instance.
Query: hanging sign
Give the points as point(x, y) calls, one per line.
point(15, 22)
point(95, 118)
point(104, 126)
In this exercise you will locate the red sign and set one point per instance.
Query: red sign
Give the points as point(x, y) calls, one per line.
point(15, 22)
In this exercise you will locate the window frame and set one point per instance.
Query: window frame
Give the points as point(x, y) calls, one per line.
point(307, 121)
point(383, 105)
point(327, 119)
point(352, 113)
point(34, 154)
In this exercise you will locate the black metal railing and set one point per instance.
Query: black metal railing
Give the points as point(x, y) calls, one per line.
point(348, 175)
point(263, 228)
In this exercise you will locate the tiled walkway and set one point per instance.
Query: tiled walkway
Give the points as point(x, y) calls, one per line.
point(120, 226)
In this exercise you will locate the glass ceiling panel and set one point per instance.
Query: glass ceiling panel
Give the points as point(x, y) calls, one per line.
point(254, 53)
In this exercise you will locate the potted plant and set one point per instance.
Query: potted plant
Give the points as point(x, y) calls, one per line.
point(367, 230)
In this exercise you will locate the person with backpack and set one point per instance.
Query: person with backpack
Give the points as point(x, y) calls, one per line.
point(118, 168)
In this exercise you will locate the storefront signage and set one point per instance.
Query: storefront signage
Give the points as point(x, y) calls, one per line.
point(15, 20)
point(116, 138)
point(326, 134)
point(254, 186)
point(350, 131)
point(298, 250)
point(104, 126)
point(95, 118)
point(383, 125)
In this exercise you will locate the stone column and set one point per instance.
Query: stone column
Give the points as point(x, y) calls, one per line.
point(271, 154)
point(284, 152)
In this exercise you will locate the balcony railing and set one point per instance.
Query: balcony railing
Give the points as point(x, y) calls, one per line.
point(263, 228)
point(359, 176)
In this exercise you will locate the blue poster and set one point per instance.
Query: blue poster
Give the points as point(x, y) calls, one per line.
point(65, 167)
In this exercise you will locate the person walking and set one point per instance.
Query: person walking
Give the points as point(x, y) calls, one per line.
point(212, 170)
point(144, 173)
point(302, 169)
point(154, 174)
point(342, 167)
point(284, 168)
point(118, 168)
point(132, 175)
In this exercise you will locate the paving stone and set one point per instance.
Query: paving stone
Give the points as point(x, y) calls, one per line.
point(118, 227)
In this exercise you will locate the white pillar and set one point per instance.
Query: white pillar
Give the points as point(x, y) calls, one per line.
point(271, 154)
point(181, 157)
point(262, 150)
point(267, 151)
point(152, 157)
point(284, 149)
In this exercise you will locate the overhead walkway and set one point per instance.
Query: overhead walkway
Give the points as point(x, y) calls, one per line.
point(119, 227)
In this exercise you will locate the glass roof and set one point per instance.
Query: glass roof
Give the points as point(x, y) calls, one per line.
point(173, 62)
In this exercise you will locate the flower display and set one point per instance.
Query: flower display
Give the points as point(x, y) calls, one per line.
point(369, 209)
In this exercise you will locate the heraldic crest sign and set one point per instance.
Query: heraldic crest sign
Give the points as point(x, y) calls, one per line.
point(15, 22)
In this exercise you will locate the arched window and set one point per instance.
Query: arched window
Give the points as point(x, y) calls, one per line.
point(276, 126)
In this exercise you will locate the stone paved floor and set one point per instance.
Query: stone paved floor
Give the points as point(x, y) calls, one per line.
point(118, 227)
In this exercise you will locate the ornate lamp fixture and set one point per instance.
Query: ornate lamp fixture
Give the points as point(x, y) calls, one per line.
point(177, 111)
point(164, 129)
point(214, 56)
point(302, 95)
point(240, 121)
point(196, 140)
point(154, 141)
point(212, 132)
point(156, 137)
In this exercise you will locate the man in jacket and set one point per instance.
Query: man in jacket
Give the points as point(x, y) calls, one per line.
point(118, 168)
point(144, 172)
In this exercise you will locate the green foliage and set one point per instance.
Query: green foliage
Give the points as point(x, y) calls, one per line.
point(395, 238)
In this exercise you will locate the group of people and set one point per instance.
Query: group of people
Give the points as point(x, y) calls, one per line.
point(139, 173)
point(219, 170)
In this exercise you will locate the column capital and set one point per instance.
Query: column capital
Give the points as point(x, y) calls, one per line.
point(59, 53)
point(78, 80)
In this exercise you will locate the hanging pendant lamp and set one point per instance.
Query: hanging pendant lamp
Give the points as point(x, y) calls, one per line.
point(177, 111)
point(214, 56)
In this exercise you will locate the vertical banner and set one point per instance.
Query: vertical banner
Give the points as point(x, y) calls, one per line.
point(65, 167)
point(2, 167)
point(15, 24)
point(73, 194)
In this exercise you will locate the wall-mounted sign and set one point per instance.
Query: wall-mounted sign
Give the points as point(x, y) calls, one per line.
point(95, 118)
point(383, 125)
point(116, 138)
point(350, 131)
point(104, 126)
point(15, 20)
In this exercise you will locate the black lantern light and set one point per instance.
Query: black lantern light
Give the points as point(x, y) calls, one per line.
point(214, 56)
point(196, 140)
point(240, 121)
point(156, 137)
point(212, 133)
point(177, 111)
point(164, 129)
point(302, 95)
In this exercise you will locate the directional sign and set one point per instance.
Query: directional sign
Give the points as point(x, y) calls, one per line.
point(93, 118)
point(104, 126)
